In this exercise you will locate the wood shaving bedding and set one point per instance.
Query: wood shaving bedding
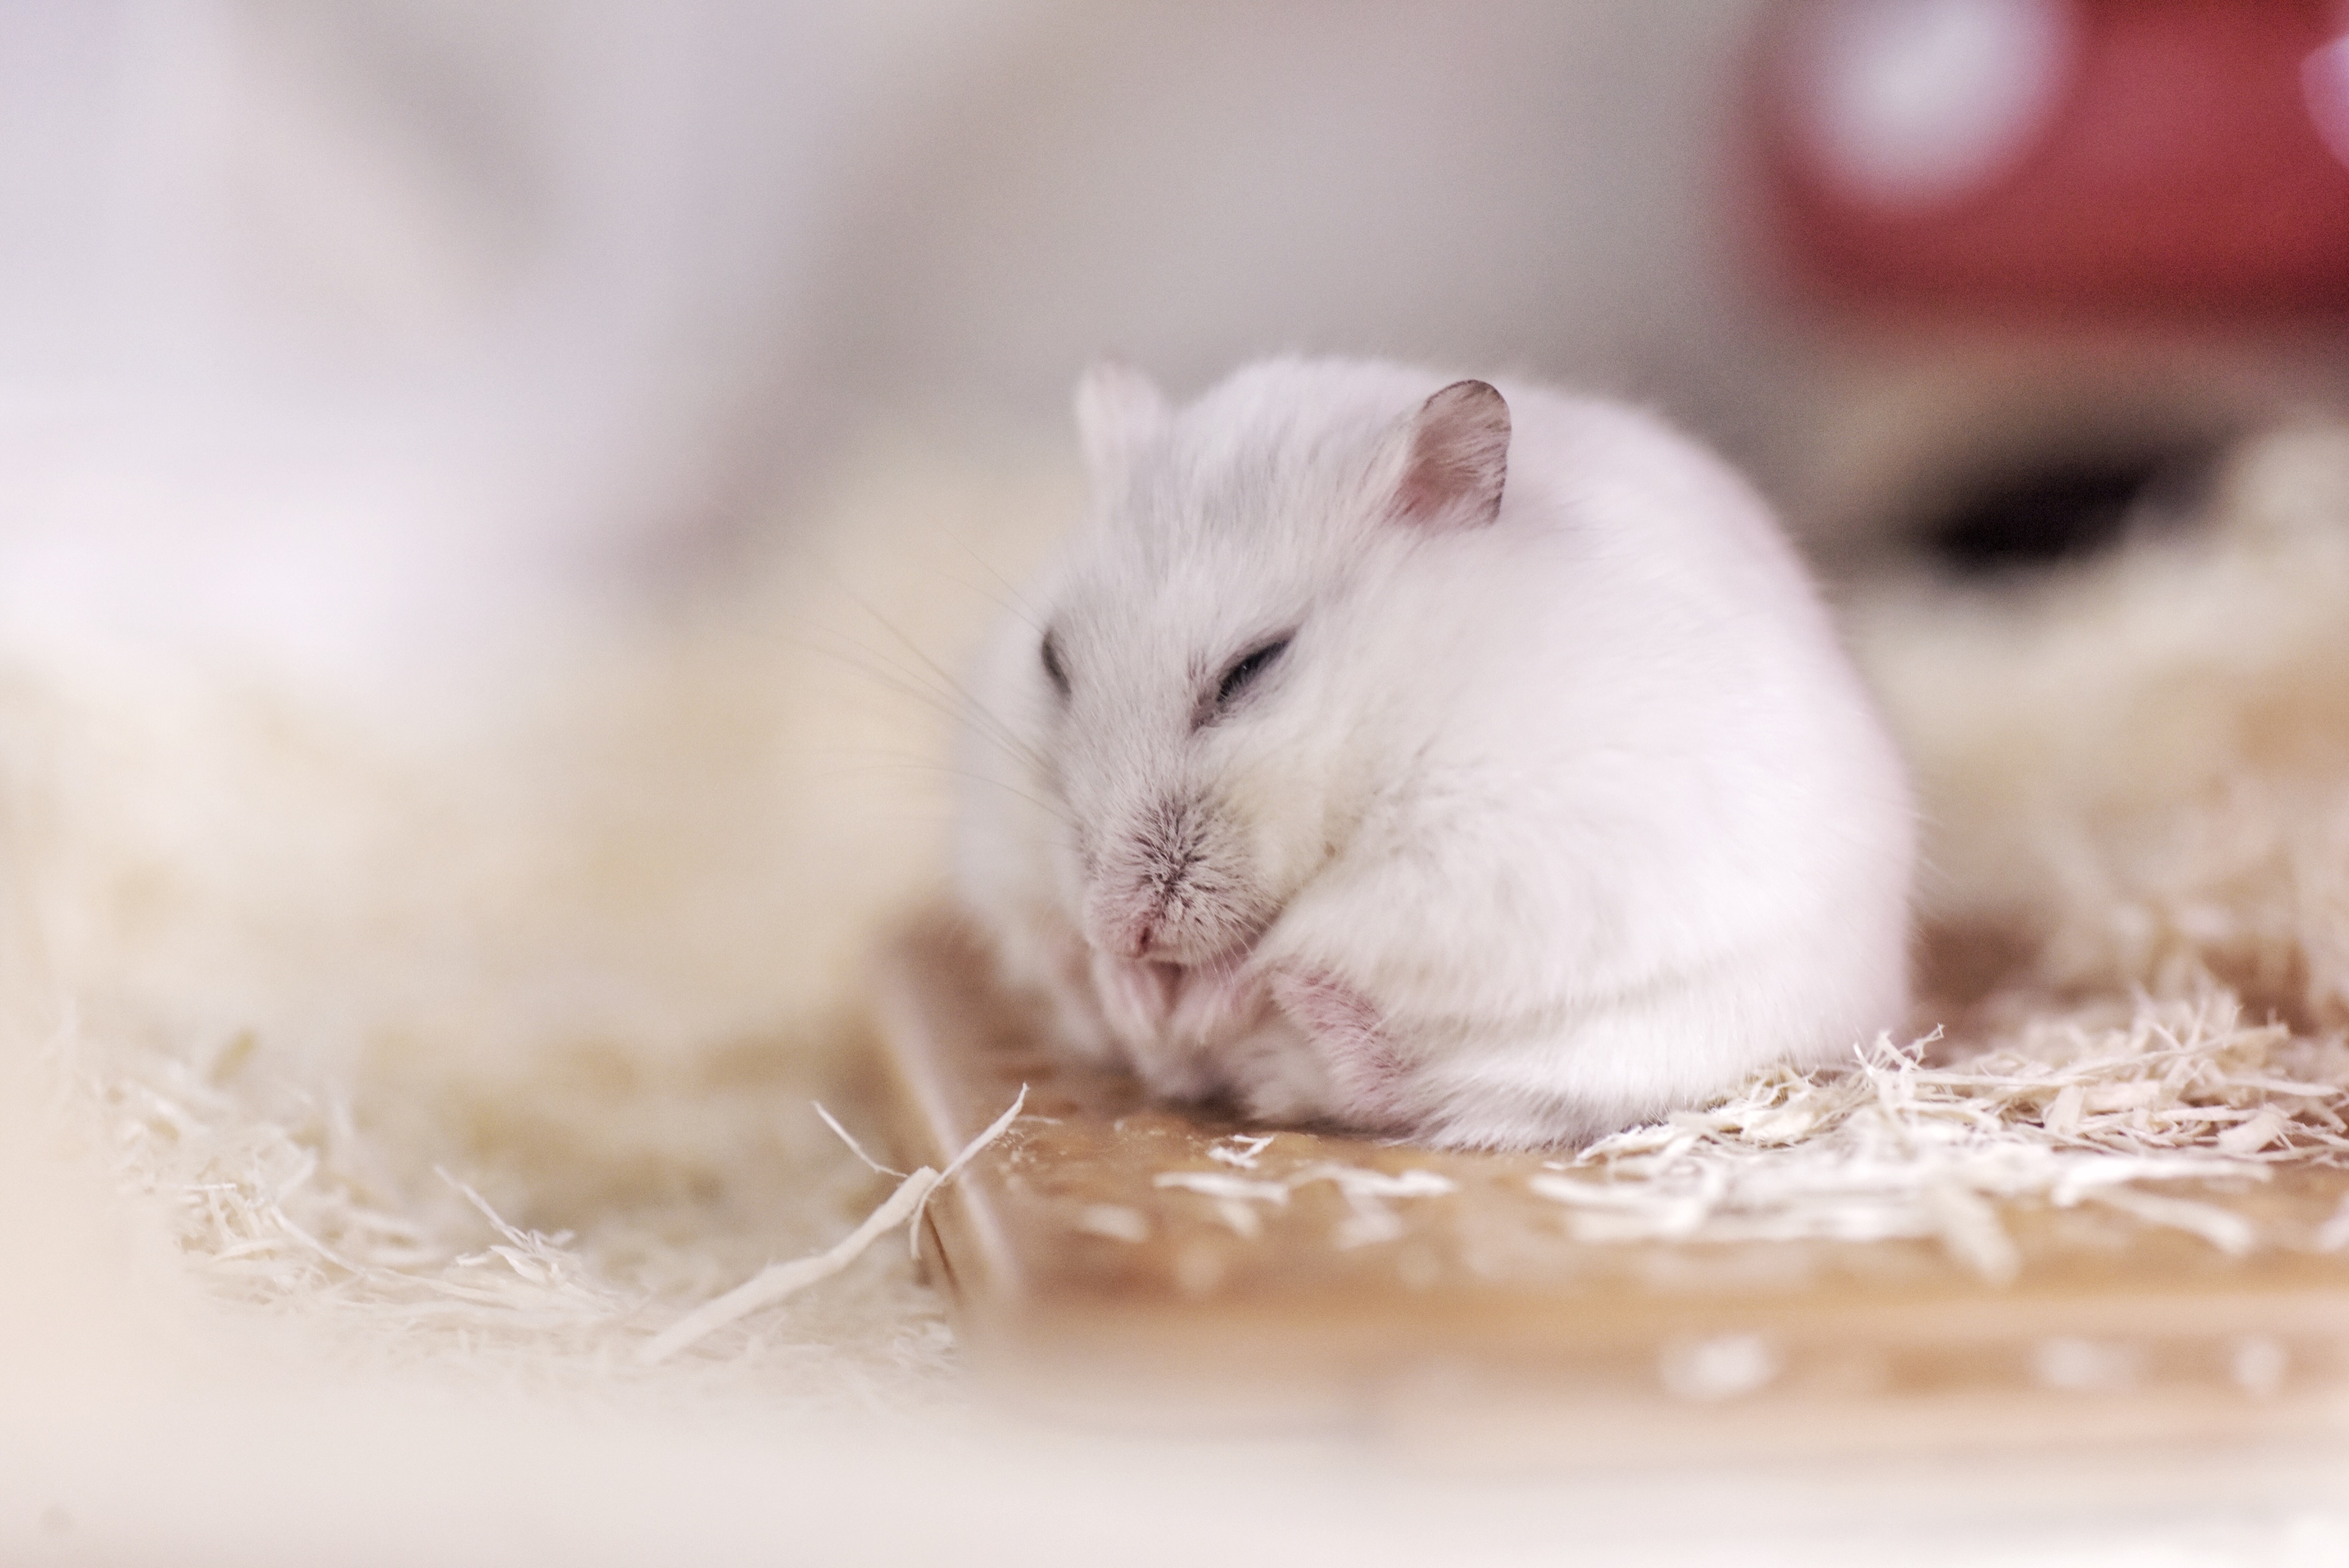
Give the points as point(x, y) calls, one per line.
point(2086, 1107)
point(277, 1202)
point(780, 1282)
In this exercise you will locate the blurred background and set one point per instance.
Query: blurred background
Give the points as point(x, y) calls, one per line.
point(354, 334)
point(363, 331)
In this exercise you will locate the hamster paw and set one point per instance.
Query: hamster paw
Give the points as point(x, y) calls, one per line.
point(1215, 1002)
point(1350, 1036)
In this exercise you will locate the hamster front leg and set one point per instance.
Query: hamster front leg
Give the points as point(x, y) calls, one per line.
point(1171, 1019)
point(1350, 1042)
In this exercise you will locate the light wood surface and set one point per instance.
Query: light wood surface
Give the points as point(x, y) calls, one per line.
point(1083, 1284)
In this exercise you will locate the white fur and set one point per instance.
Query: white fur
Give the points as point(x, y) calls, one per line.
point(1566, 819)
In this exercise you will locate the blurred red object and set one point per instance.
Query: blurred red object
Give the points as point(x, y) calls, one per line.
point(2163, 159)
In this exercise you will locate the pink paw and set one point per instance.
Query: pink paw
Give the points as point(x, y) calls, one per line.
point(1351, 1038)
point(1216, 1002)
point(1137, 995)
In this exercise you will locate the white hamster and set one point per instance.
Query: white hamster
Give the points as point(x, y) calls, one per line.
point(1470, 763)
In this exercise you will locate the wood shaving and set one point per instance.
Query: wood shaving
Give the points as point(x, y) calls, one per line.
point(2085, 1107)
point(780, 1282)
point(1239, 1150)
point(1224, 1189)
point(1369, 1221)
point(1114, 1220)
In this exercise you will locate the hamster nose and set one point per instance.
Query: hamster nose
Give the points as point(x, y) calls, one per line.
point(1125, 928)
point(1140, 935)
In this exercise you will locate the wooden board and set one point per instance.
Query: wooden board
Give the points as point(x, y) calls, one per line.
point(1083, 1284)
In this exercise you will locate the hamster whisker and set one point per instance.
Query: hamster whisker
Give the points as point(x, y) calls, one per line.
point(1010, 599)
point(921, 686)
point(945, 681)
point(1035, 800)
point(878, 667)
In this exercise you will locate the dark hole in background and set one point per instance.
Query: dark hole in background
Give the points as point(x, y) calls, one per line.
point(2064, 507)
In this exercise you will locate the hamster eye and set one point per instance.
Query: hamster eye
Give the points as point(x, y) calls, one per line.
point(1244, 670)
point(1052, 668)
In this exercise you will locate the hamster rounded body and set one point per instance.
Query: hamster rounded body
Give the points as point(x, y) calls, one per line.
point(1470, 763)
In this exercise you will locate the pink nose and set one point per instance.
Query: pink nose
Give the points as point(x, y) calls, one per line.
point(1135, 938)
point(1124, 922)
point(1126, 929)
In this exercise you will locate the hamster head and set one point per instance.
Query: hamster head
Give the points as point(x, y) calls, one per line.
point(1197, 696)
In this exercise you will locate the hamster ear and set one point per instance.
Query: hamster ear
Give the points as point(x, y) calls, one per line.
point(1454, 456)
point(1118, 411)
